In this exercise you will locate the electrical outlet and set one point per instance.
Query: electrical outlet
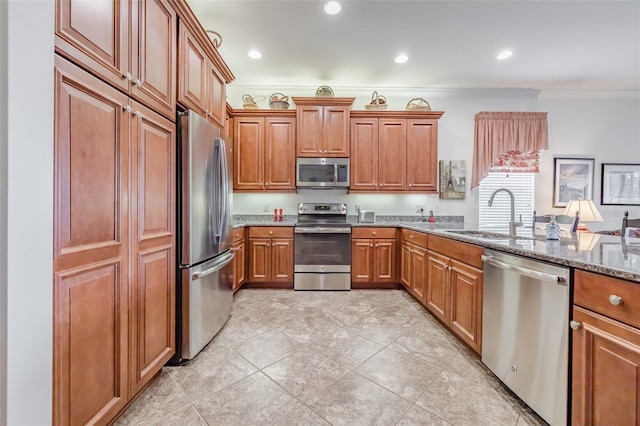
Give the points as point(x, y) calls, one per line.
point(357, 207)
point(420, 208)
point(265, 208)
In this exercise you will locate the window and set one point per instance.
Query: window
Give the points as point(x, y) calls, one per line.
point(496, 218)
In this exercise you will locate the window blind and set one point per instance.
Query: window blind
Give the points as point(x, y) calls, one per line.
point(496, 218)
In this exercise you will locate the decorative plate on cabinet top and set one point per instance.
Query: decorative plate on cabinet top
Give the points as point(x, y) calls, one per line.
point(324, 92)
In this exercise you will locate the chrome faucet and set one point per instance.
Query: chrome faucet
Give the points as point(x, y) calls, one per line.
point(512, 223)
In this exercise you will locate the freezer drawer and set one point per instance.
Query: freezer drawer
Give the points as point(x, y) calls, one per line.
point(209, 302)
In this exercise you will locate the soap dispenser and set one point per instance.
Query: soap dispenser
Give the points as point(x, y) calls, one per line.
point(553, 229)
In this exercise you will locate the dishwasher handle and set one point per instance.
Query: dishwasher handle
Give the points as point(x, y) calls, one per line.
point(525, 271)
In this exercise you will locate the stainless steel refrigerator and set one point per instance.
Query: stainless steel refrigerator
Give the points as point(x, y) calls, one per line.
point(204, 297)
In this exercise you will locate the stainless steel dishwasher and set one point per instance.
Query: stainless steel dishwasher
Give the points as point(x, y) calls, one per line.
point(525, 330)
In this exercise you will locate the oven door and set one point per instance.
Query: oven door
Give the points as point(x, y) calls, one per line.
point(322, 258)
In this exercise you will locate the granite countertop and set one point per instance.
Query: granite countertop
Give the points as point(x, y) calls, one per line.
point(604, 254)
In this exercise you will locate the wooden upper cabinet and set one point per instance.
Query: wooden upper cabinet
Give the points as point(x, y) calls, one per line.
point(422, 155)
point(193, 71)
point(394, 151)
point(264, 152)
point(364, 154)
point(129, 44)
point(201, 85)
point(153, 55)
point(322, 126)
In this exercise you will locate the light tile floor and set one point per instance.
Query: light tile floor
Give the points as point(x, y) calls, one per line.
point(368, 357)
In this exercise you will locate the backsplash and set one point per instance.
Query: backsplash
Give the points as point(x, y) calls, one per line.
point(381, 219)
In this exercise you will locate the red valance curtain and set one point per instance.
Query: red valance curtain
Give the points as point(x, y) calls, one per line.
point(508, 142)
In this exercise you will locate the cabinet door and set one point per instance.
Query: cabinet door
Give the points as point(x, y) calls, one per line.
point(309, 132)
point(392, 154)
point(422, 155)
point(364, 154)
point(152, 211)
point(437, 291)
point(335, 139)
point(466, 303)
point(248, 153)
point(419, 272)
point(405, 266)
point(193, 72)
point(153, 55)
point(605, 372)
point(384, 260)
point(362, 260)
point(282, 260)
point(216, 97)
point(90, 248)
point(279, 152)
point(259, 259)
point(239, 274)
point(95, 35)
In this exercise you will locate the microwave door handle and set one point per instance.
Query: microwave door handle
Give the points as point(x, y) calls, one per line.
point(335, 174)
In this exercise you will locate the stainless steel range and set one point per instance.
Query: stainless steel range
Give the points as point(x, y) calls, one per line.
point(322, 247)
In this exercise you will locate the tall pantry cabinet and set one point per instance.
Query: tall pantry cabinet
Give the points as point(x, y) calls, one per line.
point(115, 82)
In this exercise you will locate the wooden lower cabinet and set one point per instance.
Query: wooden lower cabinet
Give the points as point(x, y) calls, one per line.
point(270, 255)
point(605, 382)
point(239, 261)
point(454, 289)
point(373, 256)
point(113, 254)
point(413, 263)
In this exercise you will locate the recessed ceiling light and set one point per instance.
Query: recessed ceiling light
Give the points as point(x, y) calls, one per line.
point(332, 7)
point(254, 54)
point(504, 54)
point(401, 58)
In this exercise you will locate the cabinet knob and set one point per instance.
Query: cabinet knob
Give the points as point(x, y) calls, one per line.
point(409, 185)
point(575, 325)
point(371, 245)
point(137, 114)
point(137, 82)
point(127, 76)
point(373, 233)
point(268, 245)
point(410, 236)
point(615, 300)
point(376, 245)
point(126, 108)
point(270, 232)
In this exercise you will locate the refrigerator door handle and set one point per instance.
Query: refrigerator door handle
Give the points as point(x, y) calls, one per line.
point(221, 263)
point(224, 179)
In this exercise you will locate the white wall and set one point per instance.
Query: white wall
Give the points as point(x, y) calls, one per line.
point(603, 125)
point(29, 214)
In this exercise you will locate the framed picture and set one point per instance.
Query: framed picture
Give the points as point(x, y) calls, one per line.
point(453, 179)
point(572, 180)
point(620, 184)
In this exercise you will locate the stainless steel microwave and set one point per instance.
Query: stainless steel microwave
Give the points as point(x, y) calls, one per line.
point(322, 172)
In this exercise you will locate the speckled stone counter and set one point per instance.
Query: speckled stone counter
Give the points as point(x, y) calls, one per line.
point(604, 254)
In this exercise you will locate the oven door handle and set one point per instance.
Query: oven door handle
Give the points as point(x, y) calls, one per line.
point(321, 230)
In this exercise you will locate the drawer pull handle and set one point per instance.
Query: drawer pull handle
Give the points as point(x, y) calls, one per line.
point(575, 325)
point(615, 300)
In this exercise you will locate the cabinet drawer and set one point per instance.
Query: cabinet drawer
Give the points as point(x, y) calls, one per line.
point(592, 291)
point(358, 232)
point(415, 237)
point(238, 234)
point(271, 231)
point(467, 253)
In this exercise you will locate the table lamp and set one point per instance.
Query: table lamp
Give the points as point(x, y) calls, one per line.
point(586, 209)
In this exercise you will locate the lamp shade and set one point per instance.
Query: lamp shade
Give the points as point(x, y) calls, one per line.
point(586, 210)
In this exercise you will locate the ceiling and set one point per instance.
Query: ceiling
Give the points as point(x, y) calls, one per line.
point(558, 45)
